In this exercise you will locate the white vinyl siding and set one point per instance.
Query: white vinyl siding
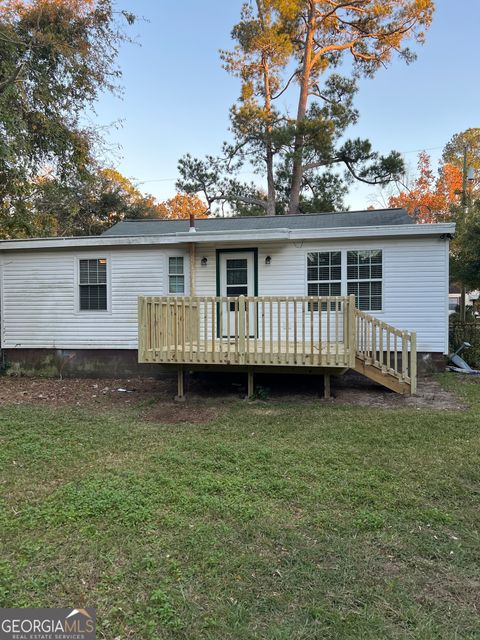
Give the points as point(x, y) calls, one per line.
point(415, 279)
point(40, 306)
point(40, 288)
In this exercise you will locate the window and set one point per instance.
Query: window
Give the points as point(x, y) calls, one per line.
point(93, 284)
point(324, 274)
point(237, 277)
point(364, 278)
point(176, 276)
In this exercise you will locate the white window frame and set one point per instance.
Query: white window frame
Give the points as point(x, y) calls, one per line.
point(330, 281)
point(343, 250)
point(76, 293)
point(183, 274)
point(369, 280)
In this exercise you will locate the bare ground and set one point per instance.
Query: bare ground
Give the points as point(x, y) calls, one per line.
point(208, 394)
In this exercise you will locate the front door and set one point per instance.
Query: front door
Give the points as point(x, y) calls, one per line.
point(237, 278)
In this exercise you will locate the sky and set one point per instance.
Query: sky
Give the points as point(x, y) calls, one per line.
point(176, 96)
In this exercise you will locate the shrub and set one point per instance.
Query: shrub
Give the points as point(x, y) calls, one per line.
point(466, 332)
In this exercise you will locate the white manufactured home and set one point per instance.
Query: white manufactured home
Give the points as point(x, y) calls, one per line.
point(319, 293)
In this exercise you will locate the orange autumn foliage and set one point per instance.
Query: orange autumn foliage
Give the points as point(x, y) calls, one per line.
point(431, 197)
point(181, 206)
point(22, 8)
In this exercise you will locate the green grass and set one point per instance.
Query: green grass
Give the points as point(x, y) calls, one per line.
point(277, 521)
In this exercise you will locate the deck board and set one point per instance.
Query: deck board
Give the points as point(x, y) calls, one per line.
point(255, 352)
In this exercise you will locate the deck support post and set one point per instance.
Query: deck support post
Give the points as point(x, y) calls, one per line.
point(250, 384)
point(180, 397)
point(413, 363)
point(326, 386)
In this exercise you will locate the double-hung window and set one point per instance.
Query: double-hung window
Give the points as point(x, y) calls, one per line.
point(176, 275)
point(364, 278)
point(324, 274)
point(92, 283)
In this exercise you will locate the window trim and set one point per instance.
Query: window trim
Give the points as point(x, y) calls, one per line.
point(169, 275)
point(76, 290)
point(359, 280)
point(329, 282)
point(186, 272)
point(344, 282)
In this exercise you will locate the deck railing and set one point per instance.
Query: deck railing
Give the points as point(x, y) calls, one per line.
point(391, 350)
point(264, 330)
point(300, 331)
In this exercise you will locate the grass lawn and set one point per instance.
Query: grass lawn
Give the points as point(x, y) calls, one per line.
point(277, 521)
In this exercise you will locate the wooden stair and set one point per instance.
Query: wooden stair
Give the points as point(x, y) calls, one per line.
point(385, 354)
point(324, 334)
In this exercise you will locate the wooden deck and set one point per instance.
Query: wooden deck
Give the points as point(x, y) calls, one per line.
point(223, 351)
point(319, 333)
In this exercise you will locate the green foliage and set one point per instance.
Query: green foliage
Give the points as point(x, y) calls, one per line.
point(465, 249)
point(261, 393)
point(468, 331)
point(454, 149)
point(56, 56)
point(86, 206)
point(323, 191)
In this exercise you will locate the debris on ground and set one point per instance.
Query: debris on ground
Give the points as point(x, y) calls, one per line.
point(207, 393)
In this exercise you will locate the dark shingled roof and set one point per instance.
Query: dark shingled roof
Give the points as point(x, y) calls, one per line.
point(374, 218)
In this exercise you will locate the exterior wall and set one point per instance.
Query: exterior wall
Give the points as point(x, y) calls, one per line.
point(39, 289)
point(39, 305)
point(415, 280)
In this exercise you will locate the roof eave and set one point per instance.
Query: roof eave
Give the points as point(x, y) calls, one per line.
point(264, 235)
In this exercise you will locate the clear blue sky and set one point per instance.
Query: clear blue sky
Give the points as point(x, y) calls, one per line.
point(177, 96)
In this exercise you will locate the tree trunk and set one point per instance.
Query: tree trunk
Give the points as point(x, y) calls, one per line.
point(297, 168)
point(271, 193)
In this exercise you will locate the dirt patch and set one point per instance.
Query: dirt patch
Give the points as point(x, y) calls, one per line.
point(208, 392)
point(153, 398)
point(354, 389)
point(186, 412)
point(82, 392)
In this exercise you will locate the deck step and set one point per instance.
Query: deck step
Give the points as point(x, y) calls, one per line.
point(384, 378)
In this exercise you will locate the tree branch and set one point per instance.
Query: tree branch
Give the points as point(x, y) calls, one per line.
point(12, 79)
point(365, 180)
point(321, 163)
point(245, 199)
point(295, 73)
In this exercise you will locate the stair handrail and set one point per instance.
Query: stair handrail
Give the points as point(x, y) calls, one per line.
point(393, 351)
